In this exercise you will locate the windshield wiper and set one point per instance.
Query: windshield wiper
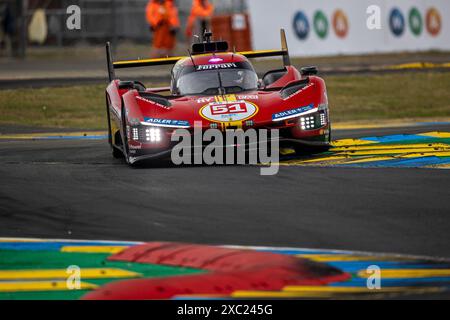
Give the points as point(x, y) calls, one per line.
point(222, 90)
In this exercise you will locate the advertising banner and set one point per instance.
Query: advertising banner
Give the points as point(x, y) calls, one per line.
point(325, 27)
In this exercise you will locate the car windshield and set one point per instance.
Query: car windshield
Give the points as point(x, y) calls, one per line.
point(208, 82)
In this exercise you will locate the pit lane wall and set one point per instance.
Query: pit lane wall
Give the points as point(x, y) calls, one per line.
point(325, 27)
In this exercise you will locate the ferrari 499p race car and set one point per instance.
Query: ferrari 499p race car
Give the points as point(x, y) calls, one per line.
point(220, 89)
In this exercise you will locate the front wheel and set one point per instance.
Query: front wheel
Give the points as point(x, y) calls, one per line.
point(306, 150)
point(124, 135)
point(117, 153)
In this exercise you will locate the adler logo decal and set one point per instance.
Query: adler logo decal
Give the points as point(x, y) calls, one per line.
point(228, 111)
point(167, 122)
point(297, 112)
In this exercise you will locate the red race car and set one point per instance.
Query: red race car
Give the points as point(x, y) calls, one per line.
point(222, 90)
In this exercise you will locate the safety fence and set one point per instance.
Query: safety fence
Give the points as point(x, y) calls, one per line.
point(114, 19)
point(101, 20)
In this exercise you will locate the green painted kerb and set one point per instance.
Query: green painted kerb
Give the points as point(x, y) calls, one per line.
point(38, 260)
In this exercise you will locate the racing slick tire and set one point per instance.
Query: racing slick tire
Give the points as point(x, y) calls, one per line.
point(124, 135)
point(126, 149)
point(304, 150)
point(116, 153)
point(108, 119)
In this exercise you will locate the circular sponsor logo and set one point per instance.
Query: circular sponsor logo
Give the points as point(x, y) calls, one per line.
point(301, 25)
point(228, 111)
point(340, 23)
point(434, 22)
point(415, 21)
point(321, 24)
point(397, 22)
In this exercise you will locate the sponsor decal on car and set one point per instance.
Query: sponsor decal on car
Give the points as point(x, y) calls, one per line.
point(205, 99)
point(203, 67)
point(299, 91)
point(228, 111)
point(166, 123)
point(293, 113)
point(154, 102)
point(229, 97)
point(247, 97)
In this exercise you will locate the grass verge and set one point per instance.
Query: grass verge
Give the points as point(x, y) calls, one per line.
point(358, 97)
point(389, 96)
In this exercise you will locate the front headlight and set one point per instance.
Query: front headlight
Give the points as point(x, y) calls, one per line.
point(307, 123)
point(316, 120)
point(153, 134)
point(135, 133)
point(146, 134)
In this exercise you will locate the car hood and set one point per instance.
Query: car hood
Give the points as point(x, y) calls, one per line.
point(258, 107)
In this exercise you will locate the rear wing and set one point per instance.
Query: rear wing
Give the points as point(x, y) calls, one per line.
point(112, 66)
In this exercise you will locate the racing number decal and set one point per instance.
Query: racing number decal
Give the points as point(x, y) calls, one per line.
point(240, 107)
point(228, 111)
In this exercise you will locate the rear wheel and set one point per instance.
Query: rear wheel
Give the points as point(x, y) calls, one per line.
point(109, 120)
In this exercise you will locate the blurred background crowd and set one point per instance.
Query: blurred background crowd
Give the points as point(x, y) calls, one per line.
point(165, 24)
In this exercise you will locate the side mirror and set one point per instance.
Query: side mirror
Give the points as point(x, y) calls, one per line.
point(126, 85)
point(261, 84)
point(309, 71)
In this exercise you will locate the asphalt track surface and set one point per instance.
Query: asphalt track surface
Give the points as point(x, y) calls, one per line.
point(75, 189)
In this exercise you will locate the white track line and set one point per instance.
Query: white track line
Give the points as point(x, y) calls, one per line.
point(416, 257)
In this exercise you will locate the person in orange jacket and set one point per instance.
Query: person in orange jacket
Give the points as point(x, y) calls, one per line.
point(202, 11)
point(162, 16)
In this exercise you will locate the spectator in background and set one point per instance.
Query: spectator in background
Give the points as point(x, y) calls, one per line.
point(199, 19)
point(8, 26)
point(162, 16)
point(2, 25)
